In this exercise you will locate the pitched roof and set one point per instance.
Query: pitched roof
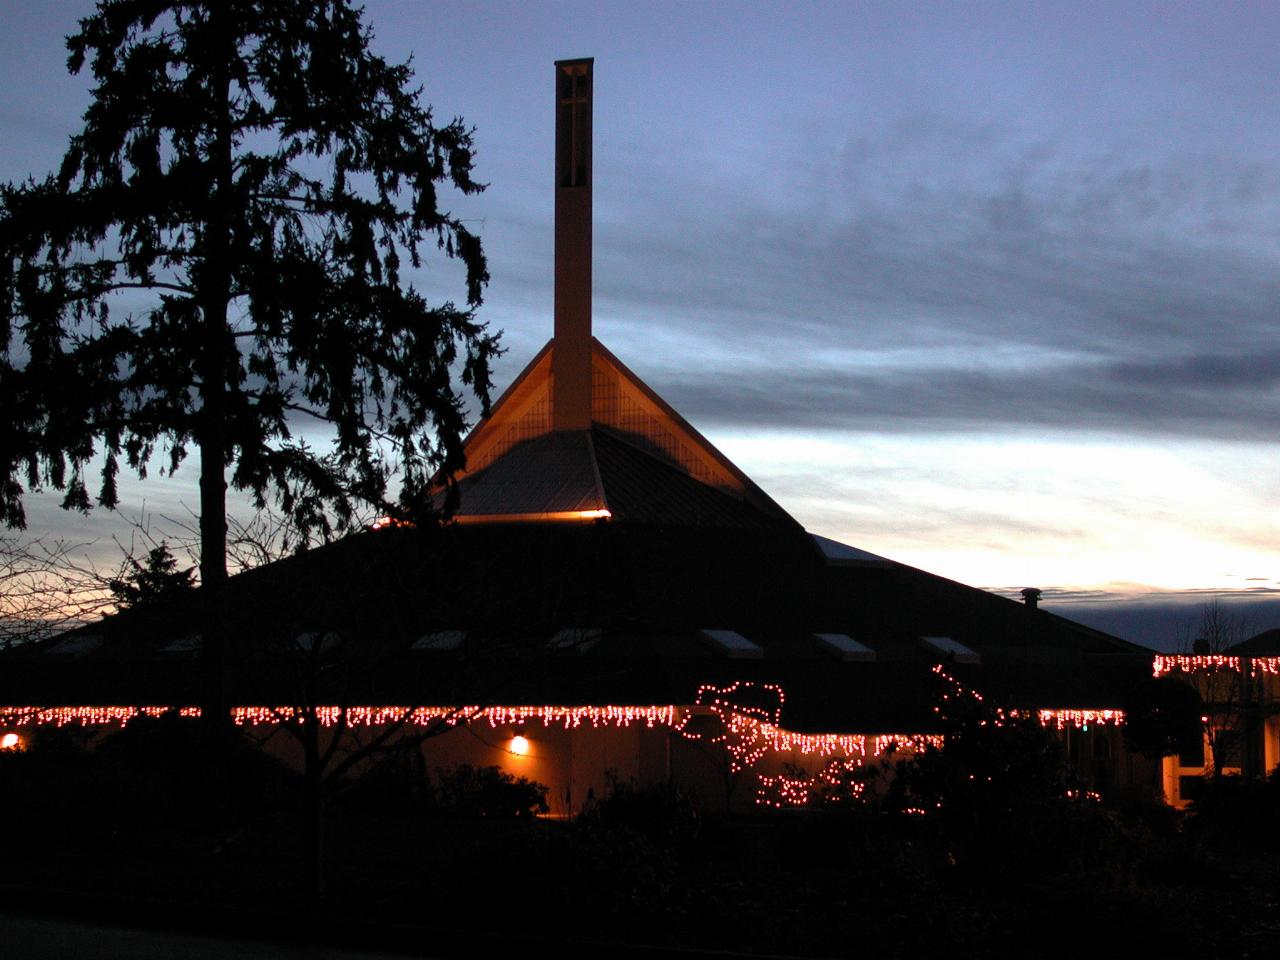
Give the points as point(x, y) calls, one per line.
point(639, 458)
point(598, 474)
point(553, 475)
point(690, 575)
point(643, 594)
point(687, 569)
point(1265, 644)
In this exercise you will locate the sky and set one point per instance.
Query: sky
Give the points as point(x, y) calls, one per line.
point(989, 289)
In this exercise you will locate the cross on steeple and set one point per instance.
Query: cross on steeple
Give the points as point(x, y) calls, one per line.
point(573, 123)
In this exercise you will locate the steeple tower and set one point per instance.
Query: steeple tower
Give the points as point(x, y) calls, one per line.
point(578, 436)
point(571, 359)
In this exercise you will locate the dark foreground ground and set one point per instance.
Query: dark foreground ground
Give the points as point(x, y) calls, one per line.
point(45, 936)
point(809, 885)
point(153, 828)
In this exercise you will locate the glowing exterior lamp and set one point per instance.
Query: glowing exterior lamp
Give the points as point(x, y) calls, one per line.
point(519, 746)
point(10, 741)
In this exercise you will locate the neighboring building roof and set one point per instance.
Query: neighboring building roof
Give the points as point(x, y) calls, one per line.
point(1265, 644)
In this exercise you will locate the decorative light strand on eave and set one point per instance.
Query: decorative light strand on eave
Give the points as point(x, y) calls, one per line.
point(572, 717)
point(1081, 719)
point(15, 716)
point(746, 735)
point(569, 717)
point(356, 716)
point(1060, 718)
point(757, 736)
point(1163, 664)
point(750, 731)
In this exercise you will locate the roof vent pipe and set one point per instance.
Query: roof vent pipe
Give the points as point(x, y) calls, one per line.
point(1031, 596)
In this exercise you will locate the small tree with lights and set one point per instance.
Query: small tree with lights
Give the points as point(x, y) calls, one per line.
point(999, 781)
point(1231, 701)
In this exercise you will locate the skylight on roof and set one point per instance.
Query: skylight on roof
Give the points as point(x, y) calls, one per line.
point(439, 641)
point(580, 639)
point(733, 644)
point(953, 650)
point(844, 646)
point(192, 643)
point(841, 554)
point(74, 646)
point(308, 642)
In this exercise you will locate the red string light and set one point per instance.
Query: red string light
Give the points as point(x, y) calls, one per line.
point(749, 726)
point(1163, 664)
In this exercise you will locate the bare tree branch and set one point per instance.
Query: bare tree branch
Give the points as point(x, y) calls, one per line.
point(46, 587)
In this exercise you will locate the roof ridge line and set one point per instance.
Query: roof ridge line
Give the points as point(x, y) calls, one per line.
point(595, 469)
point(762, 500)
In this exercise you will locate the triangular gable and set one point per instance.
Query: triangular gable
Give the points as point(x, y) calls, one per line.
point(621, 401)
point(523, 412)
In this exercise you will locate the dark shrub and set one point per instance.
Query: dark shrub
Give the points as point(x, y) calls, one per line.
point(173, 767)
point(813, 839)
point(1237, 813)
point(1162, 717)
point(470, 791)
point(53, 779)
point(663, 812)
point(999, 798)
point(155, 770)
point(397, 783)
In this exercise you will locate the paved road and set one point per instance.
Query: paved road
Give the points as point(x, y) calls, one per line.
point(39, 937)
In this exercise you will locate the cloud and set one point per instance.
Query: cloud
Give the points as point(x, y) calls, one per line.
point(1039, 287)
point(1222, 397)
point(1163, 620)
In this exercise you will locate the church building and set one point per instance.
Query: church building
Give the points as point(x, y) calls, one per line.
point(613, 599)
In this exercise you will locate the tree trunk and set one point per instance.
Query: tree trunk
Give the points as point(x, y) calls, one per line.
point(214, 288)
point(312, 816)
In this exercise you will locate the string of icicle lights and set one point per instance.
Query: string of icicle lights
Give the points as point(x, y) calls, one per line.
point(84, 716)
point(569, 718)
point(1080, 719)
point(1214, 662)
point(748, 729)
point(746, 723)
point(1060, 719)
point(360, 716)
